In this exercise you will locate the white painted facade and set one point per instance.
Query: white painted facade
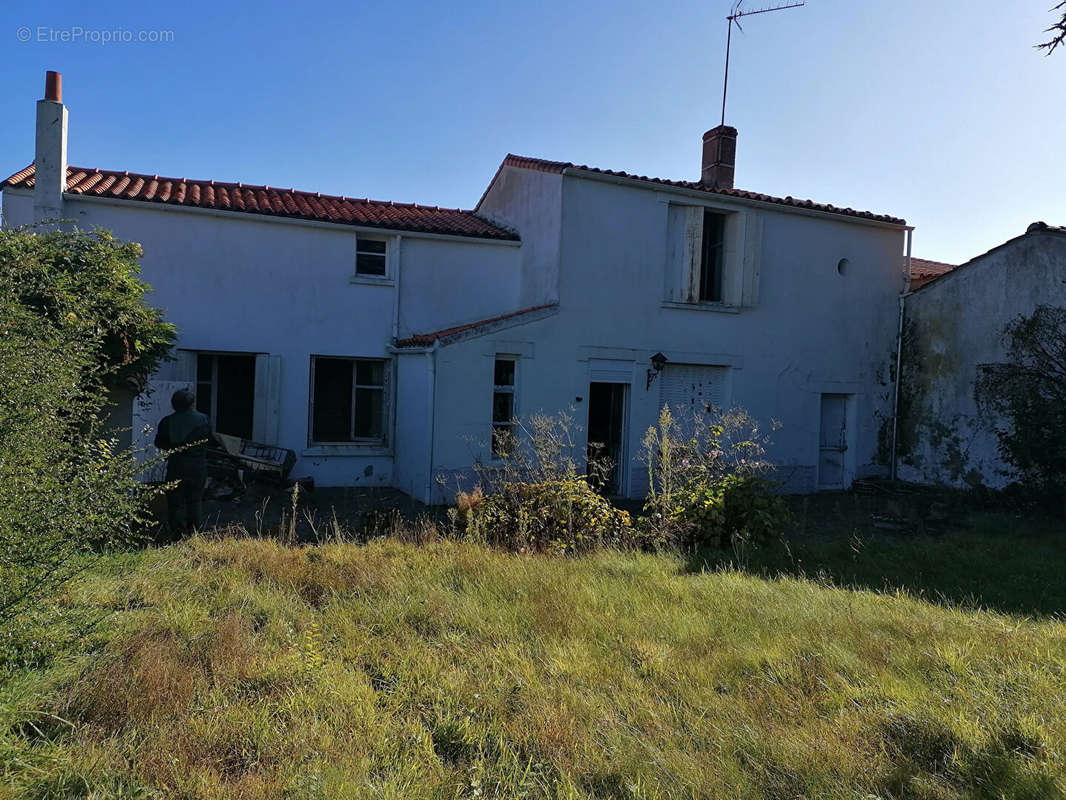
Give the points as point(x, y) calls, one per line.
point(797, 329)
point(808, 309)
point(953, 326)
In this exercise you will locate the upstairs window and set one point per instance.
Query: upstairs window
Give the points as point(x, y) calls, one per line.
point(370, 257)
point(348, 400)
point(712, 258)
point(503, 406)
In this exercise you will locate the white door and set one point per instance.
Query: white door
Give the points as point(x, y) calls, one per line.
point(833, 442)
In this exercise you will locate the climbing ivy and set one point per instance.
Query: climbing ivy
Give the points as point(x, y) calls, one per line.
point(1028, 393)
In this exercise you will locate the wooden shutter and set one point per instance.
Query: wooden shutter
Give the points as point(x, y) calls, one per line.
point(266, 412)
point(685, 231)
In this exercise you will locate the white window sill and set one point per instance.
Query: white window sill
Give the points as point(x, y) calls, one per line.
point(371, 280)
point(717, 308)
point(347, 450)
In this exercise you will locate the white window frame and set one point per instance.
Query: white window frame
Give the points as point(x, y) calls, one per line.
point(511, 389)
point(386, 403)
point(740, 257)
point(213, 382)
point(373, 276)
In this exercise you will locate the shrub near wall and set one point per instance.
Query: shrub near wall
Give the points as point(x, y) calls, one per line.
point(72, 324)
point(556, 516)
point(535, 498)
point(709, 485)
point(710, 481)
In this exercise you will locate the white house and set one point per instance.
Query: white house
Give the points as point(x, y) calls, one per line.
point(383, 342)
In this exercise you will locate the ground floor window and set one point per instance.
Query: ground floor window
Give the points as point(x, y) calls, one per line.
point(225, 391)
point(348, 400)
point(503, 406)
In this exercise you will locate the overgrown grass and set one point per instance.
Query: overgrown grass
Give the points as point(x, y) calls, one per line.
point(994, 560)
point(237, 668)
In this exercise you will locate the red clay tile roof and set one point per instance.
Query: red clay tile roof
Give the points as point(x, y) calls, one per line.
point(426, 339)
point(924, 271)
point(270, 200)
point(561, 166)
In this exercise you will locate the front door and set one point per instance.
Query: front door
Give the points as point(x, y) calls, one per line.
point(606, 436)
point(833, 442)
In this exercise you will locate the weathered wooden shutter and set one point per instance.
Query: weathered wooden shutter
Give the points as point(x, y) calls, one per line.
point(266, 414)
point(685, 231)
point(751, 259)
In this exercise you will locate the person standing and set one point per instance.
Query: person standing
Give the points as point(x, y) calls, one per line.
point(189, 430)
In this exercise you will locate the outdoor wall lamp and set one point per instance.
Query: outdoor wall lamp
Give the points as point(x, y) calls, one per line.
point(658, 361)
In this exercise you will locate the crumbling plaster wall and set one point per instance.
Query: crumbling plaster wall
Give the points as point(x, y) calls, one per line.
point(952, 327)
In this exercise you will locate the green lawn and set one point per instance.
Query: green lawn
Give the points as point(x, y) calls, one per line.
point(236, 668)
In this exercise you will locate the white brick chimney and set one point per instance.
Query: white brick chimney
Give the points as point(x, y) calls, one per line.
point(50, 155)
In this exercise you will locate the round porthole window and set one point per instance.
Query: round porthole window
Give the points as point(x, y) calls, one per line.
point(842, 266)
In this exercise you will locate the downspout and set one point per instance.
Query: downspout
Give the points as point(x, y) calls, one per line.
point(397, 258)
point(432, 356)
point(899, 355)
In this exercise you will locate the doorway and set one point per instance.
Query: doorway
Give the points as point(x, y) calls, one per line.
point(833, 442)
point(605, 457)
point(225, 391)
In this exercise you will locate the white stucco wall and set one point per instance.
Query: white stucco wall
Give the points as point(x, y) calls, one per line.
point(812, 330)
point(953, 326)
point(242, 283)
point(454, 282)
point(530, 202)
point(602, 250)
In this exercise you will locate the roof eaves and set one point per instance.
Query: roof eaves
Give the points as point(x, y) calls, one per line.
point(471, 330)
point(270, 201)
point(567, 167)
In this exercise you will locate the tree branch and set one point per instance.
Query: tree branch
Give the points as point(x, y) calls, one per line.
point(1059, 29)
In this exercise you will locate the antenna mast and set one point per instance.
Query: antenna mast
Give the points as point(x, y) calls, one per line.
point(734, 18)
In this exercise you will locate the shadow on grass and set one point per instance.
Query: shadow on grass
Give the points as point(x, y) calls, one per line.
point(996, 560)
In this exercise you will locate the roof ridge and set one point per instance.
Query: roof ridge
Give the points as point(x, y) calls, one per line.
point(272, 201)
point(71, 169)
point(547, 165)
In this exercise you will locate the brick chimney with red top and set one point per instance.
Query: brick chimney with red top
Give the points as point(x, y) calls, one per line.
point(719, 157)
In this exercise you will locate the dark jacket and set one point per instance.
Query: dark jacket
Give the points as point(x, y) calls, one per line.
point(178, 430)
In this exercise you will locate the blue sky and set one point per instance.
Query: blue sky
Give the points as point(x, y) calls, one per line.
point(940, 112)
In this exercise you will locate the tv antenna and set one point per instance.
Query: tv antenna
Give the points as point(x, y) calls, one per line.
point(734, 19)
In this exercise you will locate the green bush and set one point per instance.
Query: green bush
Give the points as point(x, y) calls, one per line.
point(709, 483)
point(73, 324)
point(535, 497)
point(555, 516)
point(737, 508)
point(1025, 399)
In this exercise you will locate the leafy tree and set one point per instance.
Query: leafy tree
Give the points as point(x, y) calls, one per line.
point(1029, 392)
point(1058, 31)
point(89, 281)
point(73, 324)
